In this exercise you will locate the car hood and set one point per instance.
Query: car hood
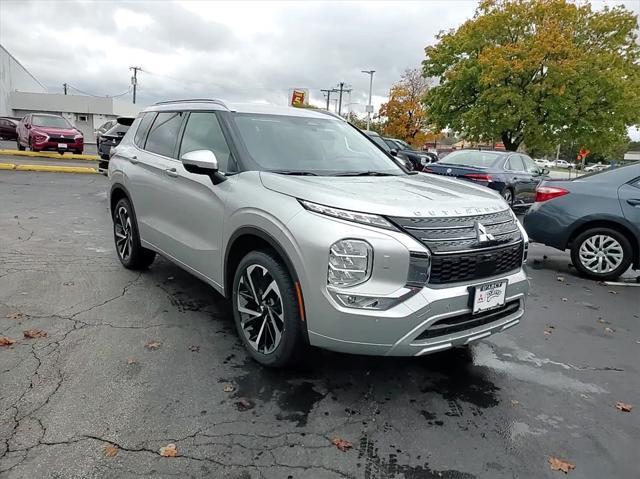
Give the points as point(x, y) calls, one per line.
point(55, 131)
point(410, 195)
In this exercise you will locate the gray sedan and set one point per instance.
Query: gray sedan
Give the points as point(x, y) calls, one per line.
point(596, 217)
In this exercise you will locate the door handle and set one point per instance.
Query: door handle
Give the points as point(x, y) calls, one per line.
point(172, 172)
point(133, 159)
point(634, 202)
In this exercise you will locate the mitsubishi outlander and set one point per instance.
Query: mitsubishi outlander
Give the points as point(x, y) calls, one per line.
point(313, 232)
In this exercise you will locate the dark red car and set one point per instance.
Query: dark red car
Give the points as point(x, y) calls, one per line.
point(8, 128)
point(41, 131)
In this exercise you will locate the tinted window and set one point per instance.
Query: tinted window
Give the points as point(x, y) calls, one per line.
point(117, 130)
point(143, 128)
point(483, 159)
point(50, 121)
point(515, 163)
point(529, 164)
point(164, 134)
point(203, 132)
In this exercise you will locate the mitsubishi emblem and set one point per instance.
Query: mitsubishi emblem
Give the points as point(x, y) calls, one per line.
point(481, 233)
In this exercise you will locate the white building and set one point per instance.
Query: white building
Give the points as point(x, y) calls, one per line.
point(14, 77)
point(84, 112)
point(22, 93)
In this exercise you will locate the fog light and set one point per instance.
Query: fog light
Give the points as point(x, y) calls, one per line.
point(419, 269)
point(349, 262)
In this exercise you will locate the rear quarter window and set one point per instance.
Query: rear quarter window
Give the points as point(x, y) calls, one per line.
point(143, 128)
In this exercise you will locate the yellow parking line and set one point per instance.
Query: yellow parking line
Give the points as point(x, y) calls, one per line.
point(49, 154)
point(56, 169)
point(7, 166)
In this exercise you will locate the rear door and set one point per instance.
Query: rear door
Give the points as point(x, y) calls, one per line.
point(534, 177)
point(518, 178)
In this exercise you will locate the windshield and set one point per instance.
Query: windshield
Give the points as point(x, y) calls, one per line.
point(404, 144)
point(481, 159)
point(310, 145)
point(50, 121)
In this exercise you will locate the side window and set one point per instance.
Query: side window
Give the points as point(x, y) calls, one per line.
point(529, 164)
point(203, 132)
point(164, 134)
point(143, 128)
point(515, 163)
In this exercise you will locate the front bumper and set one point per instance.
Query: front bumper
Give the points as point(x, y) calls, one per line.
point(54, 146)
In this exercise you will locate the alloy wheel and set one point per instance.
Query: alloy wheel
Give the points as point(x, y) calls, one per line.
point(122, 223)
point(508, 196)
point(601, 254)
point(259, 304)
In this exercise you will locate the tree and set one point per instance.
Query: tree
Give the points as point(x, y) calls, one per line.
point(405, 111)
point(538, 72)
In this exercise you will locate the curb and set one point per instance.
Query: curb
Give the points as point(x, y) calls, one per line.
point(48, 168)
point(55, 156)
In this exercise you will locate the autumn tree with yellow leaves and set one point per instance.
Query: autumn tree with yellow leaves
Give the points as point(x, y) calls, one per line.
point(405, 112)
point(538, 72)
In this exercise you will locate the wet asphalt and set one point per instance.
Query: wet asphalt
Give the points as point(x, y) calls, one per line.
point(547, 387)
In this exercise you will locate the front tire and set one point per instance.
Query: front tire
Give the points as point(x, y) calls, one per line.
point(20, 147)
point(266, 310)
point(127, 239)
point(601, 253)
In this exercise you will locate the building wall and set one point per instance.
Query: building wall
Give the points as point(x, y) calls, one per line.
point(13, 76)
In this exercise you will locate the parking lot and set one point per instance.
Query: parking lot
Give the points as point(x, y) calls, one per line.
point(133, 362)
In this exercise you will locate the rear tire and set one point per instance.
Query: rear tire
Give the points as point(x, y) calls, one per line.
point(601, 253)
point(266, 310)
point(127, 239)
point(507, 194)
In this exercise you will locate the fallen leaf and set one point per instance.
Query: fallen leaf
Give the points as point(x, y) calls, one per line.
point(547, 332)
point(560, 278)
point(341, 444)
point(194, 349)
point(613, 292)
point(17, 316)
point(244, 404)
point(228, 388)
point(152, 345)
point(603, 321)
point(131, 360)
point(560, 465)
point(111, 450)
point(609, 330)
point(515, 402)
point(68, 283)
point(624, 407)
point(170, 450)
point(4, 341)
point(34, 333)
point(565, 299)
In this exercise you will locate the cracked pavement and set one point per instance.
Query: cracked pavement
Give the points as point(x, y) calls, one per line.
point(498, 410)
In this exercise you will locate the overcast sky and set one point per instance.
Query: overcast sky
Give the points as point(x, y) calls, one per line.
point(240, 51)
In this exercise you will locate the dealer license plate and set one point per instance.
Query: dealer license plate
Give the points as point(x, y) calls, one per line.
point(489, 296)
point(62, 146)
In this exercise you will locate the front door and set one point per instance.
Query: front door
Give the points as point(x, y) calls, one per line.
point(629, 195)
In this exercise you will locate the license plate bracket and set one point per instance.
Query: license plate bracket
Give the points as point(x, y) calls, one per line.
point(489, 296)
point(62, 146)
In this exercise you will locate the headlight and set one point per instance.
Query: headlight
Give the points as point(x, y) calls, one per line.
point(363, 218)
point(349, 262)
point(40, 138)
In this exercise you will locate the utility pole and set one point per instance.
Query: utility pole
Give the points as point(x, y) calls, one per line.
point(328, 92)
point(369, 107)
point(64, 85)
point(341, 85)
point(134, 81)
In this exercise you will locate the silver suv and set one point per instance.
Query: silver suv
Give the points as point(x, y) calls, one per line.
point(313, 232)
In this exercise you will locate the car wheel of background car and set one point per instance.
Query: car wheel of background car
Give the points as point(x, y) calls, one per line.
point(507, 194)
point(601, 253)
point(266, 310)
point(20, 147)
point(125, 233)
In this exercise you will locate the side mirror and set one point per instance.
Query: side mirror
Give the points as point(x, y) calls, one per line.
point(393, 152)
point(545, 171)
point(202, 162)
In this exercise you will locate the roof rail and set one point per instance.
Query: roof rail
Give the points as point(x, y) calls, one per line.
point(194, 100)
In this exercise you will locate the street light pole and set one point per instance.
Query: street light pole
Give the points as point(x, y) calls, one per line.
point(369, 107)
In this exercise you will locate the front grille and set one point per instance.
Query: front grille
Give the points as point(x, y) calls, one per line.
point(61, 139)
point(458, 233)
point(468, 321)
point(453, 268)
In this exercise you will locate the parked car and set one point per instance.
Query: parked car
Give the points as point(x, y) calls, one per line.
point(419, 159)
point(596, 167)
point(514, 175)
point(8, 128)
point(543, 163)
point(595, 216)
point(102, 129)
point(110, 139)
point(562, 164)
point(42, 131)
point(314, 234)
point(398, 156)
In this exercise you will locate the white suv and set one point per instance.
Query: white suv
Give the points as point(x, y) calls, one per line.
point(313, 232)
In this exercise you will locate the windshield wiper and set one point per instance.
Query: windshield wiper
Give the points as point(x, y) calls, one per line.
point(364, 173)
point(293, 172)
